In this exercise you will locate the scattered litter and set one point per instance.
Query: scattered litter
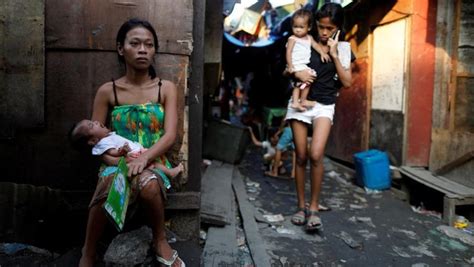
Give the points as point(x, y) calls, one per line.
point(457, 234)
point(202, 235)
point(400, 252)
point(206, 162)
point(444, 242)
point(360, 198)
point(359, 190)
point(366, 234)
point(366, 220)
point(253, 184)
point(332, 174)
point(349, 240)
point(408, 233)
point(251, 199)
point(170, 236)
point(356, 207)
point(283, 260)
point(369, 191)
point(342, 260)
point(424, 211)
point(470, 261)
point(461, 222)
point(422, 249)
point(420, 264)
point(252, 190)
point(240, 241)
point(274, 218)
point(284, 230)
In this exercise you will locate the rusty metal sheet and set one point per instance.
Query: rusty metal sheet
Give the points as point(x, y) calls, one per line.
point(21, 66)
point(94, 24)
point(349, 132)
point(420, 85)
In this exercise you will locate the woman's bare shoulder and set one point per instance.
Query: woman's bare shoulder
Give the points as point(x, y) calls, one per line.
point(105, 92)
point(167, 85)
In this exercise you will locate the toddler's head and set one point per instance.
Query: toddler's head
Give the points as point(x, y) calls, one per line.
point(301, 22)
point(87, 133)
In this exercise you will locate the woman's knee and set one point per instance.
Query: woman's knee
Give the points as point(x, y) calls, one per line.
point(316, 158)
point(150, 189)
point(301, 159)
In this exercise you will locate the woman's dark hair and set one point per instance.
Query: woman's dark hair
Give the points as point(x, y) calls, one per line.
point(130, 25)
point(332, 11)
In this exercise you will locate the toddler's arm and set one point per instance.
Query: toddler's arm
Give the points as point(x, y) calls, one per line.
point(289, 48)
point(324, 56)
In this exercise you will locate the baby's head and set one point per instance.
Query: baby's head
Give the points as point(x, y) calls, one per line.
point(301, 22)
point(87, 133)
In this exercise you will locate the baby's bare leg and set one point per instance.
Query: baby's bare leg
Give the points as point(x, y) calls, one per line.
point(173, 172)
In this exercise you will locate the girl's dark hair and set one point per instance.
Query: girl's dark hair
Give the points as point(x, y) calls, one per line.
point(303, 13)
point(130, 25)
point(332, 11)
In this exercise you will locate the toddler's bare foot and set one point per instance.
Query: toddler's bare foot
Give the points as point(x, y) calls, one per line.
point(308, 104)
point(173, 172)
point(297, 106)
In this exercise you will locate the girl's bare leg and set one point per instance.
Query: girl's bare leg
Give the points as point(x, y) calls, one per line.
point(295, 99)
point(95, 227)
point(152, 199)
point(321, 129)
point(300, 132)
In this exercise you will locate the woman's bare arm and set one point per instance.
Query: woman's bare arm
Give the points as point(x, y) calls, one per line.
point(100, 108)
point(345, 75)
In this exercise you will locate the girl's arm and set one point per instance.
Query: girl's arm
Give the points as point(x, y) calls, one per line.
point(170, 100)
point(289, 48)
point(345, 76)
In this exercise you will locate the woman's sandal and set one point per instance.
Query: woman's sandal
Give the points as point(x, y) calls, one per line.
point(170, 261)
point(321, 207)
point(299, 218)
point(313, 221)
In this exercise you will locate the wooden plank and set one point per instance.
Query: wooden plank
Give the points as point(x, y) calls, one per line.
point(446, 186)
point(444, 36)
point(221, 244)
point(453, 164)
point(247, 211)
point(84, 25)
point(22, 65)
point(183, 201)
point(447, 146)
point(195, 101)
point(216, 193)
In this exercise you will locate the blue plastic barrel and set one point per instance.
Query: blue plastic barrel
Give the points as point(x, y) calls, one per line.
point(372, 169)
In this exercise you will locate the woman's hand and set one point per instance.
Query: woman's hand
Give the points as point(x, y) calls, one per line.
point(306, 76)
point(136, 164)
point(332, 43)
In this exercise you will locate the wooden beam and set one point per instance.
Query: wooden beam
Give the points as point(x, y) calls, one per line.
point(453, 164)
